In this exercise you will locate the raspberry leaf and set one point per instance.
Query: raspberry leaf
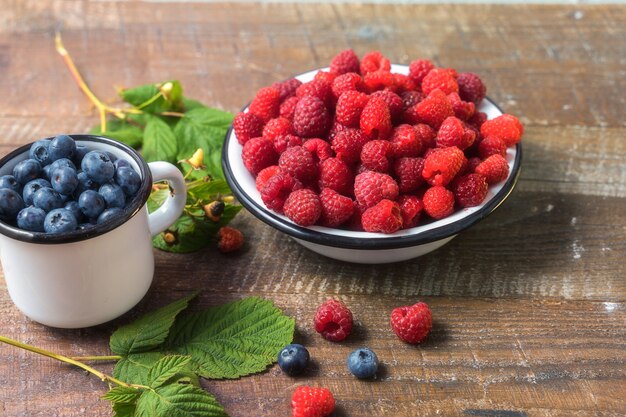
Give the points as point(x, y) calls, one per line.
point(121, 130)
point(166, 369)
point(159, 142)
point(155, 98)
point(134, 368)
point(178, 400)
point(122, 395)
point(124, 409)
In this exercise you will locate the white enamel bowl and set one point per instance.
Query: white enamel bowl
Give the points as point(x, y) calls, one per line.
point(364, 247)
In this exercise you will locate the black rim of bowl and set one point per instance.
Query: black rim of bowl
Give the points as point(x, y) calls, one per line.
point(99, 229)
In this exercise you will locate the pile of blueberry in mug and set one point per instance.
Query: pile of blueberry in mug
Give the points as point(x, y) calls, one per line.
point(63, 187)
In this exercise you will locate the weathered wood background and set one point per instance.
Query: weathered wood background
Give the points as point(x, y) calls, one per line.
point(529, 306)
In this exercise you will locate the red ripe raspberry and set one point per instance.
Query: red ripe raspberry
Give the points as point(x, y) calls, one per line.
point(344, 62)
point(258, 153)
point(229, 239)
point(374, 61)
point(384, 217)
point(247, 126)
point(478, 119)
point(264, 175)
point(317, 88)
point(495, 169)
point(471, 87)
point(408, 173)
point(319, 148)
point(491, 146)
point(288, 107)
point(442, 79)
point(418, 69)
point(371, 187)
point(438, 202)
point(349, 108)
point(333, 320)
point(312, 402)
point(375, 119)
point(299, 163)
point(336, 175)
point(281, 143)
point(287, 88)
point(426, 135)
point(411, 209)
point(434, 109)
point(303, 207)
point(350, 81)
point(442, 166)
point(277, 189)
point(454, 133)
point(277, 127)
point(266, 103)
point(472, 163)
point(348, 143)
point(404, 142)
point(336, 208)
point(377, 80)
point(410, 116)
point(327, 77)
point(462, 109)
point(311, 119)
point(470, 190)
point(376, 155)
point(410, 99)
point(506, 127)
point(404, 83)
point(354, 223)
point(393, 101)
point(412, 323)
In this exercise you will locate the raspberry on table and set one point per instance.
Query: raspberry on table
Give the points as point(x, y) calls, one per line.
point(336, 175)
point(229, 239)
point(495, 169)
point(408, 172)
point(333, 320)
point(277, 127)
point(317, 88)
point(462, 109)
point(405, 142)
point(276, 190)
point(282, 142)
point(470, 190)
point(319, 148)
point(348, 143)
point(384, 217)
point(426, 135)
point(336, 208)
point(434, 109)
point(303, 207)
point(412, 323)
point(411, 209)
point(264, 175)
point(376, 155)
point(378, 80)
point(394, 102)
point(287, 88)
point(266, 103)
point(442, 79)
point(312, 402)
point(506, 127)
point(299, 163)
point(491, 146)
point(374, 61)
point(371, 187)
point(375, 119)
point(311, 118)
point(471, 87)
point(350, 81)
point(418, 69)
point(247, 126)
point(454, 133)
point(325, 76)
point(438, 202)
point(344, 62)
point(350, 105)
point(288, 107)
point(442, 166)
point(258, 153)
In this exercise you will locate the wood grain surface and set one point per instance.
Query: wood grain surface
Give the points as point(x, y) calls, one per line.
point(529, 305)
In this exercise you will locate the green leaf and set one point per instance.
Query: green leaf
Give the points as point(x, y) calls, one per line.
point(159, 142)
point(124, 409)
point(157, 198)
point(121, 394)
point(178, 400)
point(232, 340)
point(150, 98)
point(190, 104)
point(149, 331)
point(208, 190)
point(135, 367)
point(166, 368)
point(121, 130)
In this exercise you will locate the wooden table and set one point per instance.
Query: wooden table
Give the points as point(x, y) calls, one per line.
point(529, 305)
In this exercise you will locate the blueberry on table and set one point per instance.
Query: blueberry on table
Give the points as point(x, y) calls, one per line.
point(9, 181)
point(10, 204)
point(109, 214)
point(98, 166)
point(84, 183)
point(91, 204)
point(113, 195)
point(39, 152)
point(293, 359)
point(26, 170)
point(31, 188)
point(47, 199)
point(31, 219)
point(363, 363)
point(60, 221)
point(64, 180)
point(129, 180)
point(75, 209)
point(61, 146)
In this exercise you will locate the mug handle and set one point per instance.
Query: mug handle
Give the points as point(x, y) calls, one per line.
point(173, 207)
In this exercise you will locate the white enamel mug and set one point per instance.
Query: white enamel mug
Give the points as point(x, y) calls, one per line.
point(84, 278)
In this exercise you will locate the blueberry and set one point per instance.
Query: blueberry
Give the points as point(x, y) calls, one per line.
point(31, 219)
point(39, 152)
point(81, 151)
point(113, 195)
point(47, 199)
point(75, 209)
point(60, 221)
point(91, 204)
point(98, 166)
point(119, 163)
point(109, 214)
point(45, 172)
point(363, 363)
point(64, 180)
point(10, 204)
point(9, 181)
point(84, 183)
point(293, 359)
point(61, 146)
point(26, 170)
point(63, 162)
point(129, 180)
point(31, 188)
point(112, 157)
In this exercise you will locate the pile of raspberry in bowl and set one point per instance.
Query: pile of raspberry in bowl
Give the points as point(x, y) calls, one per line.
point(363, 148)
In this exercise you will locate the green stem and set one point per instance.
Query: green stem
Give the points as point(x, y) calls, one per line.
point(149, 101)
point(96, 358)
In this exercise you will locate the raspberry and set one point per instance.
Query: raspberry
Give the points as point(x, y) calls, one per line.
point(418, 69)
point(327, 77)
point(281, 143)
point(374, 61)
point(462, 109)
point(299, 163)
point(410, 116)
point(404, 83)
point(408, 173)
point(266, 103)
point(348, 143)
point(440, 78)
point(288, 107)
point(303, 207)
point(442, 166)
point(277, 127)
point(472, 163)
point(454, 133)
point(384, 217)
point(376, 155)
point(495, 169)
point(371, 187)
point(434, 109)
point(506, 127)
point(478, 119)
point(287, 88)
point(349, 108)
point(438, 202)
point(344, 62)
point(410, 99)
point(311, 119)
point(394, 102)
point(412, 323)
point(258, 153)
point(411, 209)
point(471, 87)
point(277, 189)
point(316, 88)
point(470, 190)
point(230, 240)
point(404, 142)
point(333, 320)
point(247, 126)
point(377, 80)
point(350, 81)
point(320, 149)
point(426, 135)
point(354, 223)
point(375, 119)
point(312, 402)
point(336, 208)
point(336, 175)
point(491, 146)
point(264, 175)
